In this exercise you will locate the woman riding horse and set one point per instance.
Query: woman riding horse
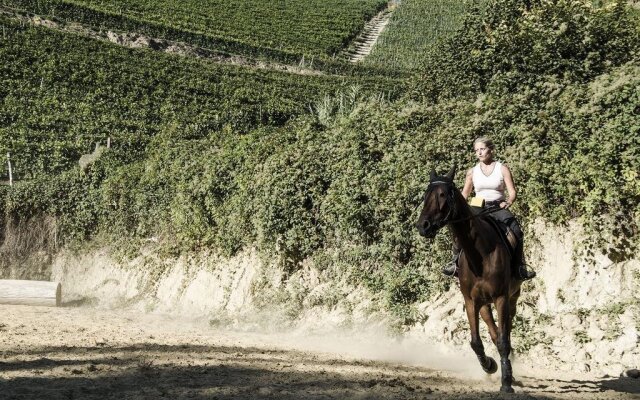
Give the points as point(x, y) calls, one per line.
point(489, 179)
point(485, 265)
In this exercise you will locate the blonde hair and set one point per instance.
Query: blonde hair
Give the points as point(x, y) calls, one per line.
point(486, 141)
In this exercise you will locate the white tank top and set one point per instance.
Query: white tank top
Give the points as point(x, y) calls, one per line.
point(491, 187)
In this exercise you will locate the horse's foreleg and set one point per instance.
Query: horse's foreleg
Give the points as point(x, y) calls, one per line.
point(488, 364)
point(503, 307)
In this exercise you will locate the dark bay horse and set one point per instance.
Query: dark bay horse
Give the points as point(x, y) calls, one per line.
point(484, 270)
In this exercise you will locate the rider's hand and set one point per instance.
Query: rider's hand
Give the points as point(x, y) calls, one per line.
point(505, 204)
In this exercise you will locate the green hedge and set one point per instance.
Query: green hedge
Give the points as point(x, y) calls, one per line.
point(516, 43)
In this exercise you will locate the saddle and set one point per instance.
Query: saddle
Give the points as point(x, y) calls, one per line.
point(509, 239)
point(506, 234)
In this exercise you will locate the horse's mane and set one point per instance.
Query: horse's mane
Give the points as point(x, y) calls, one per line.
point(462, 209)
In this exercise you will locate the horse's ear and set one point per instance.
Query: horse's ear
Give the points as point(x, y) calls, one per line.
point(452, 172)
point(433, 175)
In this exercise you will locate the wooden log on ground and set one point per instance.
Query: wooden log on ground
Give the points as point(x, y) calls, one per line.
point(32, 293)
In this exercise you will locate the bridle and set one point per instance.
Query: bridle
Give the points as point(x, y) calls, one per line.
point(450, 203)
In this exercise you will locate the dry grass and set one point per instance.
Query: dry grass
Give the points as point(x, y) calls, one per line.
point(27, 246)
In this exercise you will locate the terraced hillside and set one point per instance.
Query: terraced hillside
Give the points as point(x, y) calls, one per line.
point(61, 93)
point(281, 30)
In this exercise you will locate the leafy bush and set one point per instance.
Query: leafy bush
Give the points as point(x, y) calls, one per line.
point(517, 42)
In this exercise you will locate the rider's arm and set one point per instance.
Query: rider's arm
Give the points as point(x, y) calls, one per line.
point(468, 184)
point(511, 188)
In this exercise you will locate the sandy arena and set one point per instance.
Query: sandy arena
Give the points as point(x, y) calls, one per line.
point(87, 353)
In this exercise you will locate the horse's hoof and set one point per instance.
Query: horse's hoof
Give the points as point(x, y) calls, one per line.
point(507, 389)
point(493, 366)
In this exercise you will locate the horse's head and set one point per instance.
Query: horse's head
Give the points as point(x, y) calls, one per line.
point(438, 206)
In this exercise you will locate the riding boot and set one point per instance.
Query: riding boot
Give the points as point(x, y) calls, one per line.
point(523, 272)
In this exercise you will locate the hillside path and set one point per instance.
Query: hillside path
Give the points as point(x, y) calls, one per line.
point(363, 44)
point(88, 353)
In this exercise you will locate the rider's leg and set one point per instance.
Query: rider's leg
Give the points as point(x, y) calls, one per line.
point(523, 273)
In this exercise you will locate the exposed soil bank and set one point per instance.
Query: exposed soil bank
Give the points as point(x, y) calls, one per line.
point(575, 316)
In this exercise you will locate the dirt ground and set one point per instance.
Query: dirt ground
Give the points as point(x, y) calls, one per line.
point(87, 353)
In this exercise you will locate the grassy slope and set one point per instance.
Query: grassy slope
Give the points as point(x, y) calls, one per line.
point(302, 26)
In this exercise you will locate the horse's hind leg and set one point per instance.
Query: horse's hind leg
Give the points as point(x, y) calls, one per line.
point(504, 342)
point(488, 364)
point(513, 301)
point(487, 316)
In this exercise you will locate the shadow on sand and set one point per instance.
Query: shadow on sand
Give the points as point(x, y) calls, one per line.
point(152, 371)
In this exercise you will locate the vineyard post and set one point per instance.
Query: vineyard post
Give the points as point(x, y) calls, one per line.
point(10, 171)
point(109, 142)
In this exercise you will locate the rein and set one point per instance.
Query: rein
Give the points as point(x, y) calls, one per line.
point(488, 210)
point(446, 221)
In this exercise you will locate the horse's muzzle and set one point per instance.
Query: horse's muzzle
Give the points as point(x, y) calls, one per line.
point(427, 229)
